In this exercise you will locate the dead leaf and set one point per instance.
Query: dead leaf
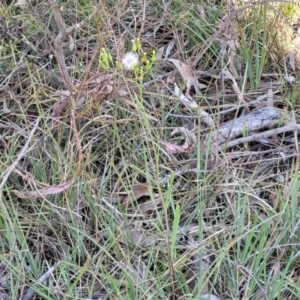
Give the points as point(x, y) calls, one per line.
point(169, 48)
point(43, 192)
point(189, 136)
point(109, 89)
point(189, 103)
point(149, 205)
point(123, 93)
point(206, 118)
point(270, 99)
point(187, 147)
point(170, 79)
point(209, 297)
point(132, 104)
point(186, 73)
point(292, 59)
point(290, 79)
point(228, 75)
point(165, 51)
point(160, 53)
point(201, 11)
point(138, 235)
point(72, 43)
point(5, 108)
point(138, 191)
point(21, 3)
point(140, 238)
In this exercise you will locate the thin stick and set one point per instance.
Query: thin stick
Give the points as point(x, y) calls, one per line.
point(21, 154)
point(4, 296)
point(65, 31)
point(263, 135)
point(9, 171)
point(30, 292)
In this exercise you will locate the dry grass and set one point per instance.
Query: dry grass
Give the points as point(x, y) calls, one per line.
point(95, 204)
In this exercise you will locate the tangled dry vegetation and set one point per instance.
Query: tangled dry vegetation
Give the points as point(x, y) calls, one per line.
point(178, 179)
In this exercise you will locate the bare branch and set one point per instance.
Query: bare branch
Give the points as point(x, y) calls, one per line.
point(9, 171)
point(263, 135)
point(65, 31)
point(30, 292)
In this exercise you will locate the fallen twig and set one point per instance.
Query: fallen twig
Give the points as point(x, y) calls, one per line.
point(263, 135)
point(7, 174)
point(31, 292)
point(4, 296)
point(258, 119)
point(65, 31)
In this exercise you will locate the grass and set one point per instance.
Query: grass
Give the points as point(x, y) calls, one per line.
point(93, 206)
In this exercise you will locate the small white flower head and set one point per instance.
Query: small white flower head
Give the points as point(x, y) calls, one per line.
point(130, 60)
